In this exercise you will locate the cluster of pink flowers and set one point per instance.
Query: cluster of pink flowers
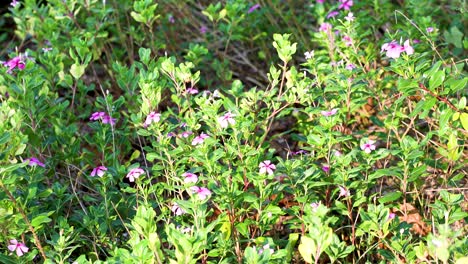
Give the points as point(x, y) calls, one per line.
point(393, 49)
point(134, 174)
point(103, 116)
point(18, 247)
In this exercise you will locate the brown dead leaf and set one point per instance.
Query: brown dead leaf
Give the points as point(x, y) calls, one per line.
point(410, 214)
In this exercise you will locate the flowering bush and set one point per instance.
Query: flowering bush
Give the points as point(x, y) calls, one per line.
point(233, 132)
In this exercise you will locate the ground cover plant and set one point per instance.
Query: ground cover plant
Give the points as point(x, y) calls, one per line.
point(233, 131)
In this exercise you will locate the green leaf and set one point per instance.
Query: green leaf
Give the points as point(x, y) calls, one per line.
point(39, 220)
point(77, 70)
point(436, 80)
point(464, 120)
point(390, 197)
point(307, 248)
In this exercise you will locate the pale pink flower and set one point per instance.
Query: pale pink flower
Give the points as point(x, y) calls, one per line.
point(177, 210)
point(344, 192)
point(345, 4)
point(369, 146)
point(408, 49)
point(330, 113)
point(199, 139)
point(350, 17)
point(203, 29)
point(320, 1)
point(35, 162)
point(325, 27)
point(19, 247)
point(152, 117)
point(190, 177)
point(391, 216)
point(393, 49)
point(191, 90)
point(266, 248)
point(99, 171)
point(348, 41)
point(14, 3)
point(186, 134)
point(201, 192)
point(267, 167)
point(350, 67)
point(314, 206)
point(429, 29)
point(227, 119)
point(309, 54)
point(134, 174)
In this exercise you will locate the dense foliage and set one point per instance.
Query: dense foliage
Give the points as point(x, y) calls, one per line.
point(271, 131)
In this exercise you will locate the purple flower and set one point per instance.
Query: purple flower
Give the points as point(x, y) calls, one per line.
point(134, 174)
point(171, 134)
point(103, 116)
point(332, 14)
point(190, 177)
point(299, 152)
point(325, 27)
point(99, 171)
point(191, 90)
point(227, 119)
point(330, 113)
point(177, 210)
point(203, 29)
point(350, 67)
point(343, 192)
point(201, 192)
point(391, 216)
point(199, 139)
point(19, 247)
point(171, 19)
point(326, 168)
point(429, 29)
point(35, 162)
point(267, 167)
point(253, 8)
point(16, 62)
point(152, 117)
point(369, 146)
point(346, 4)
point(350, 17)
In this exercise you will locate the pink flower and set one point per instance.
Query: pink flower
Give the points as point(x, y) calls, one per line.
point(408, 49)
point(253, 8)
point(171, 19)
point(35, 162)
point(348, 41)
point(429, 29)
point(177, 210)
point(391, 216)
point(152, 117)
point(186, 134)
point(325, 27)
point(267, 167)
point(190, 177)
point(350, 17)
point(332, 14)
point(19, 247)
point(201, 192)
point(393, 49)
point(203, 29)
point(330, 113)
point(266, 248)
point(337, 153)
point(199, 139)
point(344, 192)
point(346, 4)
point(314, 206)
point(191, 90)
point(99, 171)
point(320, 1)
point(369, 146)
point(103, 116)
point(350, 67)
point(14, 3)
point(134, 174)
point(226, 119)
point(16, 62)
